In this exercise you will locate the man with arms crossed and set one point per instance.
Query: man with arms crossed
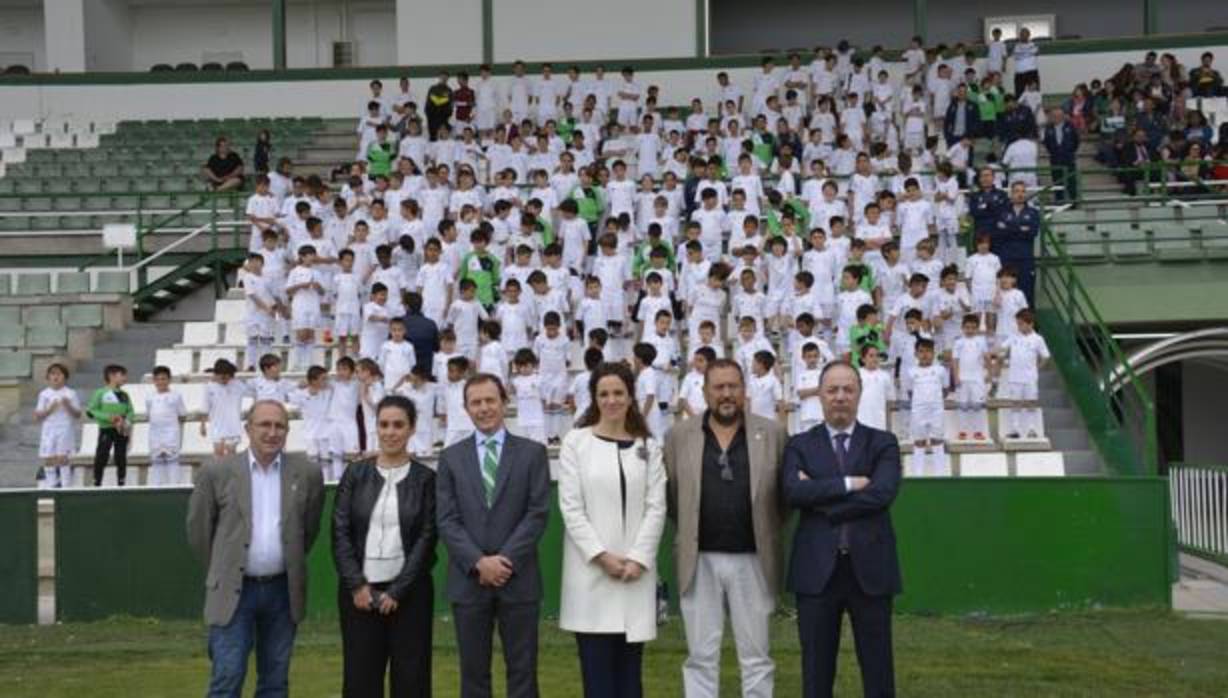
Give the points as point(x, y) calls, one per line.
point(842, 476)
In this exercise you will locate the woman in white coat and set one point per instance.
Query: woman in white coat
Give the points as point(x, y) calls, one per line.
point(611, 483)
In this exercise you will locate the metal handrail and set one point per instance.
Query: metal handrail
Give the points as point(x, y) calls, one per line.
point(207, 227)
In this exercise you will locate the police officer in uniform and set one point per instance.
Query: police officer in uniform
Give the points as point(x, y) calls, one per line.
point(1014, 239)
point(986, 205)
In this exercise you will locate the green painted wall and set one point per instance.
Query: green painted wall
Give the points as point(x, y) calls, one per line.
point(19, 557)
point(1158, 292)
point(991, 545)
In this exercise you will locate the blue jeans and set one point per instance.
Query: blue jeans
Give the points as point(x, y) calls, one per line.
point(262, 618)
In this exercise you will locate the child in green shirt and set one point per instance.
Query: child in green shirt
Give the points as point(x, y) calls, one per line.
point(111, 408)
point(481, 267)
point(867, 332)
point(380, 153)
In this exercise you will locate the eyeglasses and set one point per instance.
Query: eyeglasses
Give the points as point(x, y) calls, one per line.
point(726, 469)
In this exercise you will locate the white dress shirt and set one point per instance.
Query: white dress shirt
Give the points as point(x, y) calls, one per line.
point(385, 555)
point(264, 555)
point(832, 432)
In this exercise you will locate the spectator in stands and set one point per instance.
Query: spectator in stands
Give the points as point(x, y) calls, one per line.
point(420, 331)
point(252, 518)
point(1152, 121)
point(842, 477)
point(611, 485)
point(1206, 81)
point(1079, 109)
point(722, 467)
point(1026, 66)
point(1061, 140)
point(464, 99)
point(1017, 120)
point(1014, 239)
point(1196, 128)
point(961, 118)
point(384, 540)
point(224, 169)
point(1143, 72)
point(1137, 156)
point(262, 153)
point(438, 106)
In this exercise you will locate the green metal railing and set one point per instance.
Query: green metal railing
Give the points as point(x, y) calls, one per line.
point(1122, 423)
point(1200, 509)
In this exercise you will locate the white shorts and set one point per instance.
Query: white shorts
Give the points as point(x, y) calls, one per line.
point(484, 119)
point(57, 441)
point(346, 325)
point(1014, 390)
point(318, 446)
point(305, 321)
point(533, 432)
point(259, 327)
point(925, 423)
point(344, 437)
point(970, 395)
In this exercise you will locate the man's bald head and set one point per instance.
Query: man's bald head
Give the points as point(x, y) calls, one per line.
point(268, 424)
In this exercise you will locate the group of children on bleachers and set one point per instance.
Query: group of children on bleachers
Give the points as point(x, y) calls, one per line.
point(779, 230)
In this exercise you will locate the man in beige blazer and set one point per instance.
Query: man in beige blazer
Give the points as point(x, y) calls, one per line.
point(723, 498)
point(251, 520)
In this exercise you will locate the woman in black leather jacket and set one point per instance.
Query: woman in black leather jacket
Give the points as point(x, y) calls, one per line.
point(384, 548)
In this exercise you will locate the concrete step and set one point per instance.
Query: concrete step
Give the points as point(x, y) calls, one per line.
point(1083, 462)
point(1068, 439)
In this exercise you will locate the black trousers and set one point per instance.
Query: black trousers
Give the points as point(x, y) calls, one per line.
point(475, 627)
point(818, 624)
point(398, 644)
point(610, 666)
point(108, 440)
point(1064, 174)
point(1022, 80)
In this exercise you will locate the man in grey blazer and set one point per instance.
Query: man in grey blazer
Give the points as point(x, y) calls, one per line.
point(724, 499)
point(492, 500)
point(251, 520)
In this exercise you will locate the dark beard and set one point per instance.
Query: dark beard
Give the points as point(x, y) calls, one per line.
point(721, 420)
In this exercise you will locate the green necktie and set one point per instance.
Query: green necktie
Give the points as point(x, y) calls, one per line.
point(490, 465)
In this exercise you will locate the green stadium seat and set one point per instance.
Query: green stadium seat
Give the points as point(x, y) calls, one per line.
point(1125, 242)
point(66, 203)
point(14, 223)
point(48, 171)
point(41, 315)
point(45, 223)
point(36, 203)
point(1174, 242)
point(1149, 214)
point(12, 335)
point(16, 364)
point(9, 204)
point(6, 284)
point(112, 282)
point(33, 284)
point(83, 315)
point(47, 336)
point(8, 185)
point(79, 169)
point(29, 186)
point(1084, 244)
point(59, 185)
point(105, 169)
point(72, 282)
point(116, 185)
point(97, 203)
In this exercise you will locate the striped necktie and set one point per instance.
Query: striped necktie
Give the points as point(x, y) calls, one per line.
point(490, 466)
point(842, 453)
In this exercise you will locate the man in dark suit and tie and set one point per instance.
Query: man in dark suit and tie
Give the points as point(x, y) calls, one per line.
point(1062, 141)
point(842, 477)
point(492, 500)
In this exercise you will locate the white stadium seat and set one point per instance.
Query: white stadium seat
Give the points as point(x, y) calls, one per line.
point(228, 311)
point(983, 465)
point(1040, 464)
point(210, 356)
point(200, 334)
point(179, 361)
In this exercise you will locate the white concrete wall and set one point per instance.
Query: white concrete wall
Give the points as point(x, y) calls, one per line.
point(344, 98)
point(185, 33)
point(108, 35)
point(64, 22)
point(562, 30)
point(21, 37)
point(433, 31)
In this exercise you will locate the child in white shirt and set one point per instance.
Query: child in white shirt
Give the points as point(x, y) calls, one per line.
point(526, 386)
point(58, 409)
point(552, 350)
point(347, 305)
point(851, 297)
point(982, 270)
point(926, 426)
point(305, 287)
point(648, 390)
point(969, 367)
point(492, 356)
point(375, 323)
point(751, 341)
point(463, 317)
point(370, 392)
point(346, 395)
point(1007, 303)
point(434, 282)
point(166, 412)
point(806, 388)
point(396, 356)
point(691, 399)
point(765, 394)
point(877, 389)
point(579, 396)
point(1026, 352)
point(223, 422)
point(425, 396)
point(259, 311)
point(313, 401)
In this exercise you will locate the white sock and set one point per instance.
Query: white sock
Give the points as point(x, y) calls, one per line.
point(338, 466)
point(65, 473)
point(251, 356)
point(938, 461)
